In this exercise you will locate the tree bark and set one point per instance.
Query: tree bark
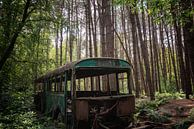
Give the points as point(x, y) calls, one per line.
point(144, 49)
point(109, 29)
point(135, 42)
point(189, 47)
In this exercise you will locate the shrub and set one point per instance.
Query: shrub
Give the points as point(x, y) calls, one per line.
point(183, 124)
point(191, 116)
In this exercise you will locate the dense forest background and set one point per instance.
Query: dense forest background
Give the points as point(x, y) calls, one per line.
point(36, 36)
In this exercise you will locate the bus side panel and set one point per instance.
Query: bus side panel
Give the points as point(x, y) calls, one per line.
point(55, 100)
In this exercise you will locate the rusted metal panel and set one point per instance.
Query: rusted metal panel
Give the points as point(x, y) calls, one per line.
point(126, 106)
point(102, 98)
point(82, 110)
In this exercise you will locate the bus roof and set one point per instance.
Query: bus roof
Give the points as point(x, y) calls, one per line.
point(93, 63)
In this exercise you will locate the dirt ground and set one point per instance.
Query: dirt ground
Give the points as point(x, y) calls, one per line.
point(176, 110)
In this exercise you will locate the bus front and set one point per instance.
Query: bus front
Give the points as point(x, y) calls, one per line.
point(102, 94)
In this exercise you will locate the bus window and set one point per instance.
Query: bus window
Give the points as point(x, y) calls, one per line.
point(57, 81)
point(68, 85)
point(112, 82)
point(94, 83)
point(49, 86)
point(103, 83)
point(82, 84)
point(53, 86)
point(123, 88)
point(107, 82)
point(78, 86)
point(62, 86)
point(87, 84)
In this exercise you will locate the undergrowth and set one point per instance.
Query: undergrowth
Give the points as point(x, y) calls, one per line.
point(186, 123)
point(147, 109)
point(16, 112)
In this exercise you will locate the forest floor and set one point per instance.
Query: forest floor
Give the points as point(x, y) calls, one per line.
point(179, 115)
point(173, 114)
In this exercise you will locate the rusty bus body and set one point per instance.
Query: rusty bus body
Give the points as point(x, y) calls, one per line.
point(90, 93)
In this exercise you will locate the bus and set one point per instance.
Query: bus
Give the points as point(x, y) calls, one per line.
point(91, 93)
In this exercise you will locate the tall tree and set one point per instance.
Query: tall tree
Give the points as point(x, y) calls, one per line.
point(135, 42)
point(109, 29)
point(188, 41)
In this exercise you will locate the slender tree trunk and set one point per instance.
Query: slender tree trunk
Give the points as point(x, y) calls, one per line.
point(135, 42)
point(94, 28)
point(145, 54)
point(102, 27)
point(164, 71)
point(61, 34)
point(144, 50)
point(109, 29)
point(56, 46)
point(151, 88)
point(173, 61)
point(61, 45)
point(153, 50)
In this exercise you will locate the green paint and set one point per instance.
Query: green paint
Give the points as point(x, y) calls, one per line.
point(54, 100)
point(86, 63)
point(124, 64)
point(103, 63)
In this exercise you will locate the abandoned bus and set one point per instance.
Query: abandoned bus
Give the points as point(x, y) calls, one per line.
point(90, 93)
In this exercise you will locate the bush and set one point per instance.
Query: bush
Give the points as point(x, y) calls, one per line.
point(185, 124)
point(162, 98)
point(191, 116)
point(25, 120)
point(18, 114)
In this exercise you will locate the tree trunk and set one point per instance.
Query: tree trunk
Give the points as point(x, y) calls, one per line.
point(135, 42)
point(189, 47)
point(144, 49)
point(109, 29)
point(102, 27)
point(151, 88)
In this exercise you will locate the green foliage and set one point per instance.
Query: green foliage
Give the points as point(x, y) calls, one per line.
point(191, 114)
point(168, 86)
point(26, 120)
point(183, 124)
point(165, 97)
point(165, 11)
point(29, 59)
point(19, 102)
point(153, 116)
point(17, 113)
point(161, 98)
point(146, 104)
